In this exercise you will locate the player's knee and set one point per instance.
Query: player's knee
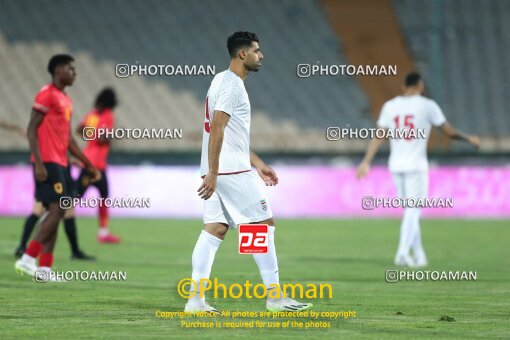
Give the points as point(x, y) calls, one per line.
point(218, 230)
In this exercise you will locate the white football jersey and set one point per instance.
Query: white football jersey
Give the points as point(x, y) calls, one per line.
point(228, 94)
point(410, 112)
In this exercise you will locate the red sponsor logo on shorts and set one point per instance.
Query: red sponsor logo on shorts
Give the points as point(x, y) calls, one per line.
point(253, 238)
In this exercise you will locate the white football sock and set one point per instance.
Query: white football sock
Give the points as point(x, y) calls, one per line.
point(267, 263)
point(406, 232)
point(28, 259)
point(416, 244)
point(202, 260)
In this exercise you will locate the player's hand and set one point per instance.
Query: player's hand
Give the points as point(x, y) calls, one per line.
point(475, 141)
point(41, 174)
point(362, 170)
point(95, 175)
point(208, 186)
point(268, 175)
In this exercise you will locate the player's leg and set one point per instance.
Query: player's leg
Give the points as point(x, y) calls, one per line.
point(104, 235)
point(267, 263)
point(80, 186)
point(46, 261)
point(205, 249)
point(245, 200)
point(72, 236)
point(49, 192)
point(28, 227)
point(46, 257)
point(70, 229)
point(69, 218)
point(417, 186)
point(75, 190)
point(82, 183)
point(209, 240)
point(45, 233)
point(402, 258)
point(48, 230)
point(417, 246)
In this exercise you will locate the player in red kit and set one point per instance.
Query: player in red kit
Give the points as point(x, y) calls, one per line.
point(50, 139)
point(38, 212)
point(97, 150)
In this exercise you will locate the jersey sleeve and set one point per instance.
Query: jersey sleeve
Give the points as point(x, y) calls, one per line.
point(228, 97)
point(43, 101)
point(436, 115)
point(89, 120)
point(384, 120)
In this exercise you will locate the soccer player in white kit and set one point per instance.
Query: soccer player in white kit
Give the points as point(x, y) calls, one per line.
point(408, 162)
point(233, 193)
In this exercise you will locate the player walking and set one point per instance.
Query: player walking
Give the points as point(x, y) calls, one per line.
point(38, 211)
point(408, 162)
point(50, 139)
point(233, 193)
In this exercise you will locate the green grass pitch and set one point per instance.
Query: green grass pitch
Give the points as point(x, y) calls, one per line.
point(351, 255)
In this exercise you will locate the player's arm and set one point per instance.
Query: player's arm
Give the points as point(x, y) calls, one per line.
point(453, 133)
point(100, 140)
point(372, 149)
point(36, 118)
point(215, 142)
point(264, 171)
point(74, 149)
point(79, 129)
point(437, 118)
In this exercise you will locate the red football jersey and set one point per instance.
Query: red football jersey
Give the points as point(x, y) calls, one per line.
point(54, 131)
point(98, 153)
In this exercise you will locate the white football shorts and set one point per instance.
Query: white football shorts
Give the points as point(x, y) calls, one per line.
point(411, 184)
point(238, 199)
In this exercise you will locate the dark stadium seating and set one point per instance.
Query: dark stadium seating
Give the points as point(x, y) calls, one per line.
point(471, 78)
point(102, 34)
point(467, 74)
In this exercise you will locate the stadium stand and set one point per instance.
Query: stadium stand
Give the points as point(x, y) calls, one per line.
point(290, 113)
point(370, 35)
point(476, 34)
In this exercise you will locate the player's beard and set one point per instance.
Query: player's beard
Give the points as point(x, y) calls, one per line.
point(253, 68)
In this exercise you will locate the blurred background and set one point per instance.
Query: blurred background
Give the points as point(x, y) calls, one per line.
point(461, 47)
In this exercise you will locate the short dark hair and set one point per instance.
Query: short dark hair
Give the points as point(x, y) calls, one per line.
point(412, 79)
point(239, 40)
point(58, 59)
point(106, 99)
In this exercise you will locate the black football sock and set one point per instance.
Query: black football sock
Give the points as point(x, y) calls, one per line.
point(72, 235)
point(29, 226)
